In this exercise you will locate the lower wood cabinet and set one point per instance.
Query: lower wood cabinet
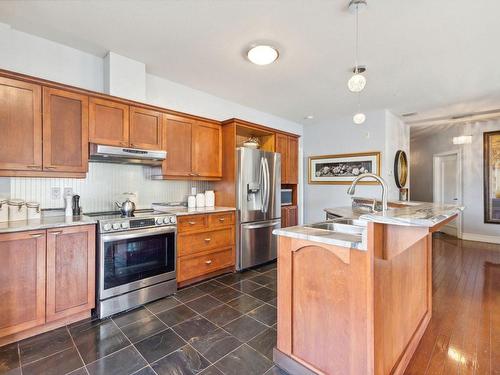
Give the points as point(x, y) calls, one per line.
point(46, 276)
point(289, 216)
point(205, 245)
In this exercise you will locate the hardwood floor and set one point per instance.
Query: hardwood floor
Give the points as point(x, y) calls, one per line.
point(463, 336)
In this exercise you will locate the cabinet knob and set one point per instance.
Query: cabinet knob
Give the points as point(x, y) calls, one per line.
point(208, 262)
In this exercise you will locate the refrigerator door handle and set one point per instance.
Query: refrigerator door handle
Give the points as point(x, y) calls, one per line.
point(262, 178)
point(268, 183)
point(257, 226)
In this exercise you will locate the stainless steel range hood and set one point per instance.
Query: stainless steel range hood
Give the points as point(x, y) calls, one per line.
point(125, 155)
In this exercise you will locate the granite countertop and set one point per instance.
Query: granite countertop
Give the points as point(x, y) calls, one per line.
point(182, 211)
point(45, 222)
point(324, 236)
point(422, 214)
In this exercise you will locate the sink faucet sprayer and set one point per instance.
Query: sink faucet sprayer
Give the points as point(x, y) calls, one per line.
point(382, 182)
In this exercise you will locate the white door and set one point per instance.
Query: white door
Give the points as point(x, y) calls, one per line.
point(447, 185)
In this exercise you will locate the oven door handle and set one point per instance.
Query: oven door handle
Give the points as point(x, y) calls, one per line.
point(136, 234)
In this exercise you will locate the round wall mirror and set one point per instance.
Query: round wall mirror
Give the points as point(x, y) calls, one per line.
point(400, 168)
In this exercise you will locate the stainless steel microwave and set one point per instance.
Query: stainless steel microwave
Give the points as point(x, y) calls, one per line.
point(286, 197)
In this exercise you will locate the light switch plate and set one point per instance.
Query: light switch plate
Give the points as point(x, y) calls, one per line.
point(55, 193)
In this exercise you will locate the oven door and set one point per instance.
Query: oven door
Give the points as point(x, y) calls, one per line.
point(135, 259)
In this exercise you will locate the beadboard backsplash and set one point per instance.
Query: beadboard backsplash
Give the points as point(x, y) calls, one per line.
point(105, 184)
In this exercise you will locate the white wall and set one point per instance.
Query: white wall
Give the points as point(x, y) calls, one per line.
point(28, 54)
point(422, 150)
point(381, 132)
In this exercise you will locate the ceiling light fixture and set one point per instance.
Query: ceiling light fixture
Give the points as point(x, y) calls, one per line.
point(262, 54)
point(309, 117)
point(357, 82)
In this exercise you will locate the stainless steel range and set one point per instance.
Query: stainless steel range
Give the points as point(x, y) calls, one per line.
point(135, 258)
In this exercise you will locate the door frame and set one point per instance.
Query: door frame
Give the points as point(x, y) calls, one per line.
point(436, 187)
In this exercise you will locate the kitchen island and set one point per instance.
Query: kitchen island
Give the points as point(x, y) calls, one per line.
point(356, 299)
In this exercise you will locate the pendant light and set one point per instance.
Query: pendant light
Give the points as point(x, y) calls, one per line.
point(357, 82)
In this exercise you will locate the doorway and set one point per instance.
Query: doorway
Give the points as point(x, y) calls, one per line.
point(447, 185)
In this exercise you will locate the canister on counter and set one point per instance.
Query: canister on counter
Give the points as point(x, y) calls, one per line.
point(17, 210)
point(33, 210)
point(4, 210)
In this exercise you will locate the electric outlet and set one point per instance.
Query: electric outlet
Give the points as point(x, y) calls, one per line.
point(193, 190)
point(55, 193)
point(68, 191)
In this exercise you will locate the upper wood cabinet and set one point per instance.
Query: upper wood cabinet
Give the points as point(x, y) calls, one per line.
point(194, 148)
point(288, 147)
point(206, 149)
point(21, 125)
point(108, 122)
point(145, 128)
point(22, 281)
point(65, 131)
point(70, 271)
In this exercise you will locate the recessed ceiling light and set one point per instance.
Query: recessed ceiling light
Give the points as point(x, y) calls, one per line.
point(309, 117)
point(262, 55)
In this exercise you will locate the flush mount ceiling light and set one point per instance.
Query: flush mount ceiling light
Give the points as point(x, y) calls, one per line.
point(357, 82)
point(262, 54)
point(309, 117)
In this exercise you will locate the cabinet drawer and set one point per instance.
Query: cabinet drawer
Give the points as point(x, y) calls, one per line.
point(188, 244)
point(220, 220)
point(192, 223)
point(199, 265)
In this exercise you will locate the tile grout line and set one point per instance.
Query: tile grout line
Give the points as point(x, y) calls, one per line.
point(77, 350)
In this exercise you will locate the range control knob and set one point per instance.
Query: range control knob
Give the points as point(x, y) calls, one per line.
point(124, 225)
point(173, 219)
point(116, 225)
point(166, 220)
point(106, 227)
point(159, 221)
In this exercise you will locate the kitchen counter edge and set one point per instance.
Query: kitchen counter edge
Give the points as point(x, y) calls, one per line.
point(48, 222)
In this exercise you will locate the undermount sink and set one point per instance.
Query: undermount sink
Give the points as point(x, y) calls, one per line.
point(343, 225)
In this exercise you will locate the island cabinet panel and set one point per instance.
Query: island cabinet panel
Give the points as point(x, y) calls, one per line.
point(145, 128)
point(21, 125)
point(22, 281)
point(70, 271)
point(205, 246)
point(65, 131)
point(177, 143)
point(327, 332)
point(108, 122)
point(206, 149)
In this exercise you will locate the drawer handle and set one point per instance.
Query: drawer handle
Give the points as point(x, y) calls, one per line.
point(221, 219)
point(208, 262)
point(36, 235)
point(56, 233)
point(34, 166)
point(191, 222)
point(50, 167)
point(208, 239)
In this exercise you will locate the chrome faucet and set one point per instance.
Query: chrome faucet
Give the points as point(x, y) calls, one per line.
point(382, 182)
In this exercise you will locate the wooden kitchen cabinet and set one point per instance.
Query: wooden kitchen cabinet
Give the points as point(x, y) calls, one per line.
point(108, 122)
point(205, 246)
point(206, 149)
point(288, 147)
point(65, 131)
point(21, 125)
point(22, 281)
point(289, 216)
point(70, 271)
point(145, 128)
point(194, 148)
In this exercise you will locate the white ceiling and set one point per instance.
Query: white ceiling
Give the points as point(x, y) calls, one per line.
point(421, 55)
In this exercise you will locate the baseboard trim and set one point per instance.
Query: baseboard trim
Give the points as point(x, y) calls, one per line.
point(480, 238)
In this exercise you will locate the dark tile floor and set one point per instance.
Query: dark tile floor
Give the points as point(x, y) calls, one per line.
point(223, 326)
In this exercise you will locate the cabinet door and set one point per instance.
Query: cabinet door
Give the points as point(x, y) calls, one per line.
point(282, 148)
point(145, 128)
point(22, 281)
point(65, 131)
point(177, 143)
point(284, 217)
point(293, 161)
point(21, 125)
point(108, 122)
point(292, 216)
point(206, 149)
point(70, 271)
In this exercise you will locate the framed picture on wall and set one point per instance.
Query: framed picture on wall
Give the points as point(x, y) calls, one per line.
point(342, 169)
point(491, 184)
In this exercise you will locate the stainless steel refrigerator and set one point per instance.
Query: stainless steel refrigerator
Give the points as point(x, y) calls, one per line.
point(258, 187)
